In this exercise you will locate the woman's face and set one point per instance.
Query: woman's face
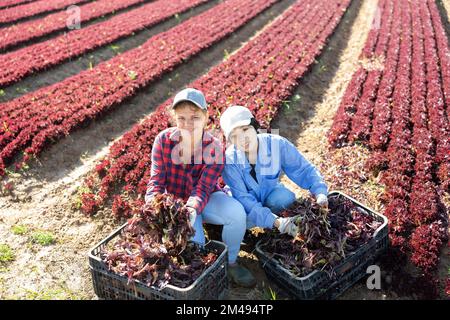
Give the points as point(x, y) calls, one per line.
point(190, 118)
point(245, 138)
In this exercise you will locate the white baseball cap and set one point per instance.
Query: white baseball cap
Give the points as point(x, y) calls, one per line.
point(233, 117)
point(192, 95)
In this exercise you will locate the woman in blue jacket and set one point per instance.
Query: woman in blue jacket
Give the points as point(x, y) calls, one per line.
point(254, 163)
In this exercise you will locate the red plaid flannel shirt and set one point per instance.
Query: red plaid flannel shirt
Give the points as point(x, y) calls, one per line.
point(191, 182)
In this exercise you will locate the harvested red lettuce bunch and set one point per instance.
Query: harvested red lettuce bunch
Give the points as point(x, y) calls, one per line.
point(326, 236)
point(154, 247)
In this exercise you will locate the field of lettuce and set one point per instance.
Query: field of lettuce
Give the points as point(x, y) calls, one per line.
point(361, 87)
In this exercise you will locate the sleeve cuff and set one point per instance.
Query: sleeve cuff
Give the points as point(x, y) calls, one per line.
point(321, 191)
point(270, 220)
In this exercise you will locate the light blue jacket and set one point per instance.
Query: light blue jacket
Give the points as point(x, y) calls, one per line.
point(275, 154)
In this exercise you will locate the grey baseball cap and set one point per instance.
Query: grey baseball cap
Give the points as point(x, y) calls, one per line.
point(192, 95)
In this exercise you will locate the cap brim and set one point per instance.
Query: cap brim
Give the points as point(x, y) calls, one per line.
point(187, 100)
point(240, 123)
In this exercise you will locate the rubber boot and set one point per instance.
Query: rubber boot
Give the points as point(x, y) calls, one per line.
point(241, 276)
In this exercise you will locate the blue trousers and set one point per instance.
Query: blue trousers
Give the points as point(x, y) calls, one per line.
point(222, 209)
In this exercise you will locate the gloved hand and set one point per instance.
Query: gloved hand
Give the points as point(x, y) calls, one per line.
point(287, 225)
point(322, 200)
point(192, 215)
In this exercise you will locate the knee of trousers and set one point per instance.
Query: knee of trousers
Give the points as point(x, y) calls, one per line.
point(235, 214)
point(280, 199)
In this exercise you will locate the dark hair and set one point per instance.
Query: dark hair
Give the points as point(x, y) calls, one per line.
point(255, 124)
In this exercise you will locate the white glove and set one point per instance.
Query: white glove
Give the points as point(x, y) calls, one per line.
point(322, 200)
point(288, 226)
point(192, 215)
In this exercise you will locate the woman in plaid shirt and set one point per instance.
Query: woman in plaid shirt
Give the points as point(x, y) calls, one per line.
point(187, 162)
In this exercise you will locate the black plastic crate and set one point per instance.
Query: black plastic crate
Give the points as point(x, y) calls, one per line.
point(211, 285)
point(318, 284)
